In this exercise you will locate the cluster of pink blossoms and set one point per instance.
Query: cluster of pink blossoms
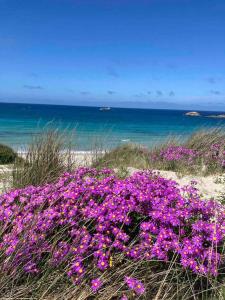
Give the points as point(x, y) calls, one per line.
point(215, 155)
point(177, 153)
point(144, 217)
point(135, 285)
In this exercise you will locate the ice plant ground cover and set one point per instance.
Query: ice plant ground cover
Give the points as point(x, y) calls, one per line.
point(90, 220)
point(180, 156)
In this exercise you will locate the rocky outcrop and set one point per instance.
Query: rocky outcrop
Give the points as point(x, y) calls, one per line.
point(193, 114)
point(217, 116)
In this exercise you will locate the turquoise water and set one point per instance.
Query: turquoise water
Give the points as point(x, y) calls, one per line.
point(19, 122)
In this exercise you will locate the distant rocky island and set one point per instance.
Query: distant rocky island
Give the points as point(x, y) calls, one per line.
point(222, 116)
point(193, 114)
point(197, 114)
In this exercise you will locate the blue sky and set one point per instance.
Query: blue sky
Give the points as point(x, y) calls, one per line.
point(143, 53)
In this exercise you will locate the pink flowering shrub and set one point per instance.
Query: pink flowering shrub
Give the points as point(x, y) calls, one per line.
point(176, 158)
point(142, 217)
point(216, 153)
point(178, 153)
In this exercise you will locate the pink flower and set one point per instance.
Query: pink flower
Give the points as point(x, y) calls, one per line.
point(135, 284)
point(96, 284)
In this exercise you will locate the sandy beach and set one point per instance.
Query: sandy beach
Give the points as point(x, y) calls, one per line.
point(208, 186)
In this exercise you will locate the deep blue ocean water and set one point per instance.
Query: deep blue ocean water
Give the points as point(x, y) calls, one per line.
point(19, 122)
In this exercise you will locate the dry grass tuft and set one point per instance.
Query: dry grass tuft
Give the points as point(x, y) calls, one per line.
point(203, 139)
point(47, 157)
point(124, 156)
point(136, 156)
point(163, 281)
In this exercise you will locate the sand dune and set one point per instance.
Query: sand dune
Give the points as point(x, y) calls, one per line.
point(208, 186)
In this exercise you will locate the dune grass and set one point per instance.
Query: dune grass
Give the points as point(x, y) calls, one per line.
point(202, 154)
point(203, 139)
point(165, 281)
point(45, 159)
point(50, 154)
point(124, 156)
point(7, 155)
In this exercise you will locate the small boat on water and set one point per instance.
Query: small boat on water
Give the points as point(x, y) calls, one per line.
point(104, 108)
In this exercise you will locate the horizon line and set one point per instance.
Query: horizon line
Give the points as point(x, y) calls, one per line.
point(111, 106)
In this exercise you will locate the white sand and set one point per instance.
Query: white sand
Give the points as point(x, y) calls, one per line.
point(81, 158)
point(208, 185)
point(5, 177)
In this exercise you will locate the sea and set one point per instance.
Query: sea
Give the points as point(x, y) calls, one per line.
point(90, 127)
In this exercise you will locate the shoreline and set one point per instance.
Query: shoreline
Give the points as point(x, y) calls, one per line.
point(91, 127)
